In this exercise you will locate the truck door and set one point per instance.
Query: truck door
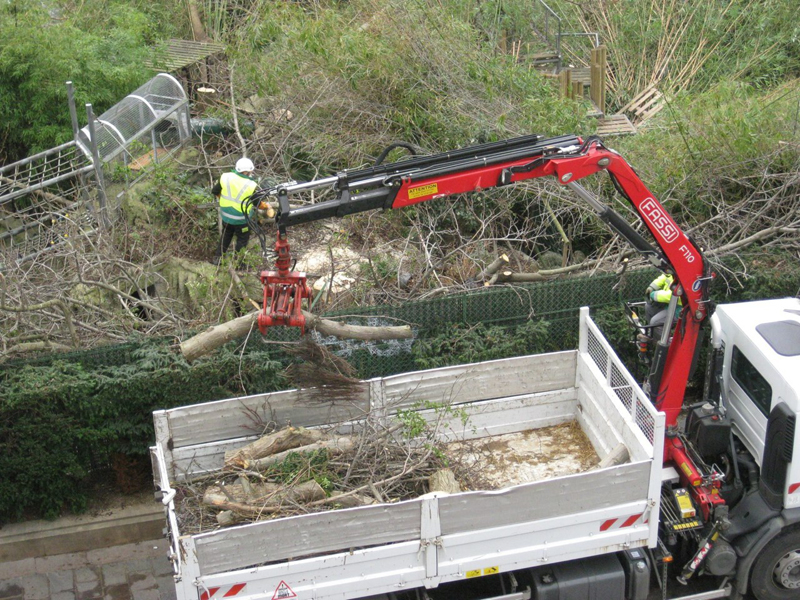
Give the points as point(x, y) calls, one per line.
point(749, 398)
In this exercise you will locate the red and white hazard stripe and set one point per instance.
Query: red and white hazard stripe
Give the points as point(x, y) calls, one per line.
point(224, 592)
point(620, 523)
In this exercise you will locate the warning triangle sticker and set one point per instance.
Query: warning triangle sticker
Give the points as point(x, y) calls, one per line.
point(283, 591)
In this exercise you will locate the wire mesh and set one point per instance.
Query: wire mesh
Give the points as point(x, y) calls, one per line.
point(507, 306)
point(159, 105)
point(40, 170)
point(48, 196)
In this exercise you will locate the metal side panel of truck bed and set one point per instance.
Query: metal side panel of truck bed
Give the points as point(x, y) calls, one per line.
point(437, 538)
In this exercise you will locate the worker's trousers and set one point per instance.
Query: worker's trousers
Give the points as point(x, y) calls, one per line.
point(242, 233)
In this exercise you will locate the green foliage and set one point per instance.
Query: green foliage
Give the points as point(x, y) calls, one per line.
point(382, 71)
point(457, 343)
point(101, 48)
point(299, 467)
point(713, 148)
point(71, 418)
point(690, 45)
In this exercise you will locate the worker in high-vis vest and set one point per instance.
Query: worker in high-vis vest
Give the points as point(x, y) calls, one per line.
point(659, 293)
point(233, 189)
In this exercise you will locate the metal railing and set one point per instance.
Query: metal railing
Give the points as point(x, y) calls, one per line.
point(550, 31)
point(62, 188)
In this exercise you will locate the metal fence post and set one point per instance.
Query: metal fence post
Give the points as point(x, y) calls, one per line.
point(73, 113)
point(98, 168)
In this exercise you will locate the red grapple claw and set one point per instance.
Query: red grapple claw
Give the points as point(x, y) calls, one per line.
point(284, 292)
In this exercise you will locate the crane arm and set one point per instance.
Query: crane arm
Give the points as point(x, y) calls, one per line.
point(566, 158)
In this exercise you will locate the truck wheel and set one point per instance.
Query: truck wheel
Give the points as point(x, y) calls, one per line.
point(776, 572)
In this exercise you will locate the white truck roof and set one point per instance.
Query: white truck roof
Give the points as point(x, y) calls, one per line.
point(773, 326)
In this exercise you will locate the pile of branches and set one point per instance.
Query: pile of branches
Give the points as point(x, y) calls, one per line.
point(292, 471)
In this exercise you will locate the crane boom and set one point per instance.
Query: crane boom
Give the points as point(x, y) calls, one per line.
point(567, 158)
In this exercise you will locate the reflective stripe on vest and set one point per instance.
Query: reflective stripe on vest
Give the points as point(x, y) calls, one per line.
point(235, 189)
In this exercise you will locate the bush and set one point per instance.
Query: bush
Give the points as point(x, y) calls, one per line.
point(59, 422)
point(459, 343)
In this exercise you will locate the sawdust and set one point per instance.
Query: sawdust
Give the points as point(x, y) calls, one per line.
point(511, 459)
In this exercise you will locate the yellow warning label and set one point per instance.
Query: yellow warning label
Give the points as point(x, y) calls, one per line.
point(486, 571)
point(423, 190)
point(686, 525)
point(474, 573)
point(686, 469)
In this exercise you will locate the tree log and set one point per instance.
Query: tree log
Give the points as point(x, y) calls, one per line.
point(493, 268)
point(221, 334)
point(334, 446)
point(443, 480)
point(309, 491)
point(522, 277)
point(257, 493)
point(273, 443)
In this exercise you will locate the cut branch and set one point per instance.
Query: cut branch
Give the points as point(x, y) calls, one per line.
point(219, 335)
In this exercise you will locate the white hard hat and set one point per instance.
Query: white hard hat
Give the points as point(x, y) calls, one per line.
point(245, 165)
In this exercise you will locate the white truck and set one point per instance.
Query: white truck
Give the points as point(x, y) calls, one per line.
point(709, 496)
point(518, 541)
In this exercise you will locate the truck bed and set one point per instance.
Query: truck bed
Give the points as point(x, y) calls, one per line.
point(350, 553)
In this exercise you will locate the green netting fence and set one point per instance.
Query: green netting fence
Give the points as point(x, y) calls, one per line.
point(555, 301)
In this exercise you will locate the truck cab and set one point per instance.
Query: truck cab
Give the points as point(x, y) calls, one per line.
point(760, 386)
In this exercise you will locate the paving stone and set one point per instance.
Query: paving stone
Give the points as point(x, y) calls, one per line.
point(126, 552)
point(11, 588)
point(166, 587)
point(162, 566)
point(142, 581)
point(60, 581)
point(141, 566)
point(151, 594)
point(63, 596)
point(87, 575)
point(115, 574)
point(118, 592)
point(17, 568)
point(88, 589)
point(61, 562)
point(36, 587)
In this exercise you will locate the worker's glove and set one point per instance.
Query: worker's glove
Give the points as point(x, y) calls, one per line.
point(648, 293)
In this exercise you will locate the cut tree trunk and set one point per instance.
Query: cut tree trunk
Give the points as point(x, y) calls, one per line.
point(256, 493)
point(298, 494)
point(219, 335)
point(273, 443)
point(522, 277)
point(334, 447)
point(443, 480)
point(493, 268)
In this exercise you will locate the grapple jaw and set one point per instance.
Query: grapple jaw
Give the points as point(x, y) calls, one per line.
point(284, 292)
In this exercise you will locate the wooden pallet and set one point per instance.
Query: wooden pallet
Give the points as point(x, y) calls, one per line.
point(612, 125)
point(644, 105)
point(144, 160)
point(582, 74)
